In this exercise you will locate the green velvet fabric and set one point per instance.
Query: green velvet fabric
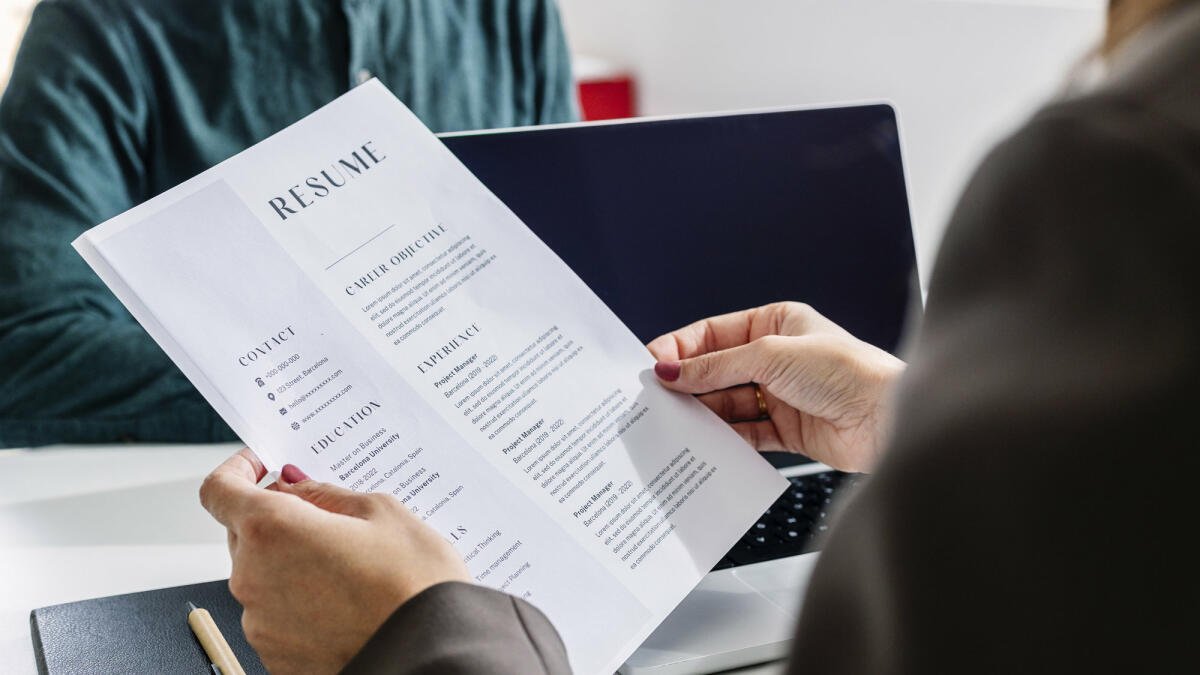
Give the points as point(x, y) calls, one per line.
point(113, 101)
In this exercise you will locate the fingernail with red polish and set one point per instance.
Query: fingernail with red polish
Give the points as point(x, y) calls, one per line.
point(292, 474)
point(668, 370)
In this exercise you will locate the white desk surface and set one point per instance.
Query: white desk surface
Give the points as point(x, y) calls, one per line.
point(83, 522)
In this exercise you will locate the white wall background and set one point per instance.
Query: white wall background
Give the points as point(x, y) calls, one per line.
point(14, 14)
point(961, 73)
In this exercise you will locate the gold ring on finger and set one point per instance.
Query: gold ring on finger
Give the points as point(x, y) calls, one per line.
point(762, 402)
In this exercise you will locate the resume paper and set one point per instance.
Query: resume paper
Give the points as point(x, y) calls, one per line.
point(352, 300)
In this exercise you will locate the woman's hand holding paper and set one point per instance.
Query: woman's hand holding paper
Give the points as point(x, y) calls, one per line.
point(319, 568)
point(823, 391)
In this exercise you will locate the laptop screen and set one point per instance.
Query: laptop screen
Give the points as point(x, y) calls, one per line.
point(670, 221)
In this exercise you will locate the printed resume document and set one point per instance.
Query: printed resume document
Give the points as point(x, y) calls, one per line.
point(352, 300)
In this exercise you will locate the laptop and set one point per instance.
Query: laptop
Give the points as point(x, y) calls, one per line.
point(670, 220)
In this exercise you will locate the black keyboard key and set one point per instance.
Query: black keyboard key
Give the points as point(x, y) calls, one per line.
point(795, 523)
point(744, 556)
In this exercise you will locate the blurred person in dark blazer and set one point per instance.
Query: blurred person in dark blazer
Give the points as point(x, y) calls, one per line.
point(1032, 498)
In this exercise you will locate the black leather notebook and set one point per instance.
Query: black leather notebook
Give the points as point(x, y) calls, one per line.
point(137, 633)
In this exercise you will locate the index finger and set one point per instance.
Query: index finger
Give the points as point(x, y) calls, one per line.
point(232, 486)
point(704, 336)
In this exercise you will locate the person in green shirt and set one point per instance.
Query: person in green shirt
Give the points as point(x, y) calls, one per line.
point(114, 101)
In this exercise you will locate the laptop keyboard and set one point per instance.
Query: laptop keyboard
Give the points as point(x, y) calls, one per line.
point(795, 522)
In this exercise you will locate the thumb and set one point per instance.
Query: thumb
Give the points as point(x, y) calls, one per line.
point(715, 370)
point(326, 496)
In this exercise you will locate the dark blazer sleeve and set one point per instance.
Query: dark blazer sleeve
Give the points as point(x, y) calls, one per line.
point(1034, 510)
point(454, 628)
